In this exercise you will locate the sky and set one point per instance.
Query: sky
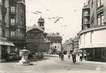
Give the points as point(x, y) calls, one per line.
point(70, 12)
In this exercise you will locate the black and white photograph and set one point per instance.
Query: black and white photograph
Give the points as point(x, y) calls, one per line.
point(52, 36)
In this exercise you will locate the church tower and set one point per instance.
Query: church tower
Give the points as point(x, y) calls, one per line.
point(41, 23)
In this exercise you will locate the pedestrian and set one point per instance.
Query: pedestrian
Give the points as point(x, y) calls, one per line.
point(68, 56)
point(74, 57)
point(59, 54)
point(85, 56)
point(81, 56)
point(62, 57)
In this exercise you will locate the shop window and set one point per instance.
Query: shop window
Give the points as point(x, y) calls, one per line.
point(4, 52)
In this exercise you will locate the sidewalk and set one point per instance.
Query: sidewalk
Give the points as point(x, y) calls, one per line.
point(94, 62)
point(85, 61)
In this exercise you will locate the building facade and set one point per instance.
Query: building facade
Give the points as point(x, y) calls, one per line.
point(12, 25)
point(36, 38)
point(55, 42)
point(92, 37)
point(71, 45)
point(68, 46)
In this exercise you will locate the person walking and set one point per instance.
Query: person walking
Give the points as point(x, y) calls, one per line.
point(62, 57)
point(59, 54)
point(85, 56)
point(68, 56)
point(81, 56)
point(74, 57)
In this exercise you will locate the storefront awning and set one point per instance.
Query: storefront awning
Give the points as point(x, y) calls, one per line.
point(6, 43)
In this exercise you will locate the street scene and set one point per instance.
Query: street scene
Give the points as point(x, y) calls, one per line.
point(52, 36)
point(52, 64)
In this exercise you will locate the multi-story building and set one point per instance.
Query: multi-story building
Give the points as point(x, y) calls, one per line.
point(92, 37)
point(68, 45)
point(71, 45)
point(12, 25)
point(55, 42)
point(36, 38)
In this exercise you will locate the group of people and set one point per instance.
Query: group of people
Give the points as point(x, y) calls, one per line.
point(82, 56)
point(61, 56)
point(73, 54)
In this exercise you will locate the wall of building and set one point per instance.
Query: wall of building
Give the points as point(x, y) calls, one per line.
point(93, 39)
point(9, 28)
point(36, 41)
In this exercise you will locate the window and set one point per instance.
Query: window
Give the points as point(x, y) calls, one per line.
point(18, 30)
point(12, 9)
point(12, 33)
point(86, 13)
point(85, 21)
point(99, 3)
point(100, 19)
point(12, 21)
point(20, 35)
point(6, 33)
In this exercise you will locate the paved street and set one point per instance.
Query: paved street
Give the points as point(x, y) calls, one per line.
point(52, 64)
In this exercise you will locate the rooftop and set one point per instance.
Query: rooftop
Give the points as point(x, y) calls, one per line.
point(34, 27)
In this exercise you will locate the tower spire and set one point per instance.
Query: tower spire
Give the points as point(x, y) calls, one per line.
point(41, 22)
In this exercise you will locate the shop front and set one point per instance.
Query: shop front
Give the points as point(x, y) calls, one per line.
point(94, 42)
point(5, 49)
